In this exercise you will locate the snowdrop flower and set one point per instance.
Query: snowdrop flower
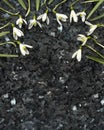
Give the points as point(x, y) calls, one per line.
point(23, 49)
point(34, 22)
point(44, 18)
point(82, 38)
point(73, 16)
point(61, 17)
point(20, 21)
point(78, 55)
point(82, 15)
point(17, 33)
point(92, 27)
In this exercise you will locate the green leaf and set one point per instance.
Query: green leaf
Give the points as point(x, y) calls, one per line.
point(9, 12)
point(4, 33)
point(28, 11)
point(98, 17)
point(95, 8)
point(22, 4)
point(37, 5)
point(8, 55)
point(8, 43)
point(9, 4)
point(90, 1)
point(96, 59)
point(50, 1)
point(4, 26)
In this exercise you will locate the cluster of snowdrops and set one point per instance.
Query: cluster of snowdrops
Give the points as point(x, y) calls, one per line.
point(59, 18)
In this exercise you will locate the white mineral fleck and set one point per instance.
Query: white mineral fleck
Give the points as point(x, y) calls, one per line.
point(13, 101)
point(6, 95)
point(74, 108)
point(102, 102)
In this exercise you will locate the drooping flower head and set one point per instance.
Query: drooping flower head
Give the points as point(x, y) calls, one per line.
point(92, 27)
point(20, 21)
point(82, 15)
point(34, 22)
point(59, 18)
point(82, 38)
point(44, 17)
point(17, 33)
point(23, 48)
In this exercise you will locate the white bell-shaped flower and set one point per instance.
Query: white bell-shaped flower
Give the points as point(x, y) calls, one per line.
point(92, 27)
point(82, 38)
point(34, 22)
point(82, 15)
point(23, 49)
point(20, 21)
point(17, 33)
point(61, 17)
point(44, 18)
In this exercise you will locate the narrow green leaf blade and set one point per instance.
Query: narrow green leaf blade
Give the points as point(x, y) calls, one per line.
point(95, 8)
point(4, 33)
point(96, 59)
point(37, 5)
point(21, 2)
point(98, 17)
point(9, 4)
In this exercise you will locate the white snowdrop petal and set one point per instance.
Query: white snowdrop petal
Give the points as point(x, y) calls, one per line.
point(40, 17)
point(17, 22)
point(39, 24)
point(83, 18)
point(79, 55)
point(44, 17)
point(88, 23)
point(47, 20)
point(31, 23)
point(74, 54)
point(28, 46)
point(25, 21)
point(73, 16)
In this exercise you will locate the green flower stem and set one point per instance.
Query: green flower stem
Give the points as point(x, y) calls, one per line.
point(54, 9)
point(73, 4)
point(97, 43)
point(8, 43)
point(9, 12)
point(4, 26)
point(100, 25)
point(95, 51)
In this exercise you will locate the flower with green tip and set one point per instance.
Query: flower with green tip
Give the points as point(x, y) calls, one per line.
point(44, 18)
point(23, 48)
point(82, 38)
point(82, 15)
point(34, 22)
point(61, 17)
point(92, 27)
point(17, 33)
point(20, 21)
